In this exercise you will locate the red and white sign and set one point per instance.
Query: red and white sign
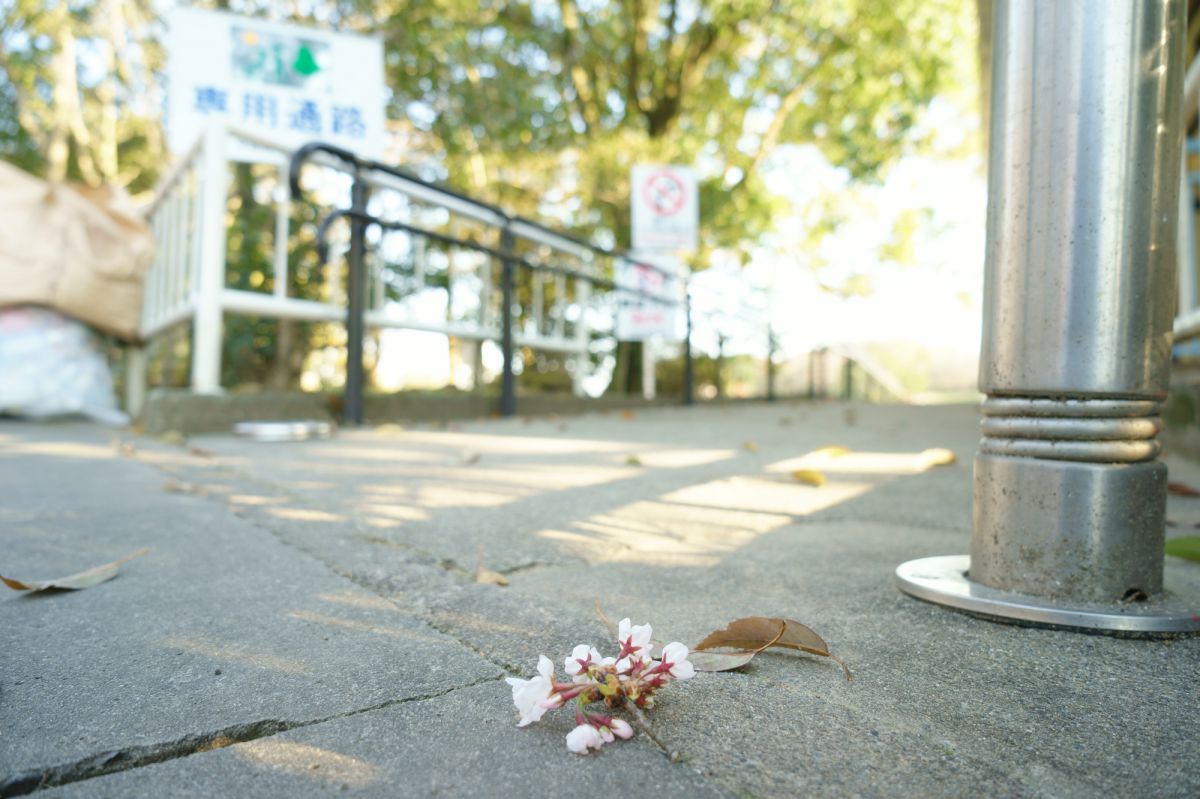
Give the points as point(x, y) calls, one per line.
point(647, 299)
point(665, 207)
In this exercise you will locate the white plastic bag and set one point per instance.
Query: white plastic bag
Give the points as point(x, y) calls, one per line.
point(51, 365)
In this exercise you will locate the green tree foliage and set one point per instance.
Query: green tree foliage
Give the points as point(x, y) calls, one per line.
point(79, 91)
point(541, 104)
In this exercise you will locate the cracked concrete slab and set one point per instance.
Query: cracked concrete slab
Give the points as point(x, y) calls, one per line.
point(705, 530)
point(462, 744)
point(221, 624)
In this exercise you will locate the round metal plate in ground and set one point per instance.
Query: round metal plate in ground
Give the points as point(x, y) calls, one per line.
point(283, 431)
point(943, 581)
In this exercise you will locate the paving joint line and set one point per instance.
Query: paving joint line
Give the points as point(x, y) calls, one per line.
point(135, 757)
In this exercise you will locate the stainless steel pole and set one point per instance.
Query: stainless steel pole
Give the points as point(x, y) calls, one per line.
point(1086, 134)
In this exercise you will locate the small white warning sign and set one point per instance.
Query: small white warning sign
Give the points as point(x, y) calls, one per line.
point(648, 299)
point(665, 207)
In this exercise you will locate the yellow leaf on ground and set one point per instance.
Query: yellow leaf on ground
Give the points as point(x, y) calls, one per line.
point(810, 477)
point(633, 460)
point(750, 446)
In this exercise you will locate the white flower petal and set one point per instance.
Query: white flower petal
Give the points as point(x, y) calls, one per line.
point(683, 670)
point(545, 666)
point(582, 738)
point(621, 728)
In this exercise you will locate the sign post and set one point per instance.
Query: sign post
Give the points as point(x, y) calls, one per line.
point(665, 208)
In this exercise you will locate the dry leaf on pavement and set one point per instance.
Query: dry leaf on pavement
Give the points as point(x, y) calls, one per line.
point(485, 576)
point(756, 633)
point(74, 582)
point(810, 477)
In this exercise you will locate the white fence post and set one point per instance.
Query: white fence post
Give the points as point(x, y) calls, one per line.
point(649, 378)
point(583, 298)
point(210, 271)
point(135, 379)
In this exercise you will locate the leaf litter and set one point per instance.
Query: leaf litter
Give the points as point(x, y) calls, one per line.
point(74, 582)
point(486, 576)
point(738, 642)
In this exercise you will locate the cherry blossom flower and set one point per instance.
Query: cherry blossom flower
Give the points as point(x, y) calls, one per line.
point(582, 738)
point(630, 679)
point(581, 657)
point(634, 640)
point(674, 659)
point(532, 697)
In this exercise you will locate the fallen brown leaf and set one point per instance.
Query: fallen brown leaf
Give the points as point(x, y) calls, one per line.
point(1181, 489)
point(720, 661)
point(756, 633)
point(200, 452)
point(74, 582)
point(627, 415)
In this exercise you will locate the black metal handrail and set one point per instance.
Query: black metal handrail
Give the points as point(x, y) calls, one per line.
point(360, 219)
point(361, 166)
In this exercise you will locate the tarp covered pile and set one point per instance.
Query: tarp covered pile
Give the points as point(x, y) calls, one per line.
point(73, 260)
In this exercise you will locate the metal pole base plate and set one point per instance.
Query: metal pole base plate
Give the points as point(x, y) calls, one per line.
point(944, 581)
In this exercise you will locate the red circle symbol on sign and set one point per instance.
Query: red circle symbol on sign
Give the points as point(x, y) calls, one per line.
point(664, 193)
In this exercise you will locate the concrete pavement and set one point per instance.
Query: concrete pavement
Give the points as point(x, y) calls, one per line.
point(307, 621)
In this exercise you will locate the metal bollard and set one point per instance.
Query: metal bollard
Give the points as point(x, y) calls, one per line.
point(1069, 499)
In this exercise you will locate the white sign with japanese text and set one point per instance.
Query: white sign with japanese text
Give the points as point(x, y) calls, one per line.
point(647, 299)
point(665, 207)
point(286, 83)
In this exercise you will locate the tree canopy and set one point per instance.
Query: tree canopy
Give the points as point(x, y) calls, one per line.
point(547, 105)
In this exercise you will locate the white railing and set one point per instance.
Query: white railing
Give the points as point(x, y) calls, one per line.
point(186, 283)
